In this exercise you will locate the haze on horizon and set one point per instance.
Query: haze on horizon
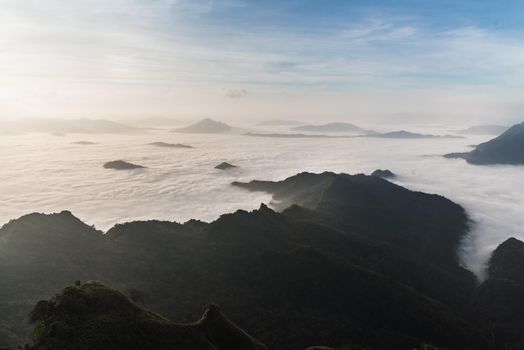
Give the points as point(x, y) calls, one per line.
point(438, 61)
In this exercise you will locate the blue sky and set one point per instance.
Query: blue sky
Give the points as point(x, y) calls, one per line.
point(435, 60)
point(437, 14)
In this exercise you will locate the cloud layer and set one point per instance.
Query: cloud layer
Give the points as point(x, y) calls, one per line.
point(48, 173)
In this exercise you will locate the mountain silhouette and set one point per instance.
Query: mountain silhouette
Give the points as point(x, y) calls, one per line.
point(169, 145)
point(333, 127)
point(498, 303)
point(350, 259)
point(504, 149)
point(205, 126)
point(385, 174)
point(487, 129)
point(121, 165)
point(92, 316)
point(225, 166)
point(403, 134)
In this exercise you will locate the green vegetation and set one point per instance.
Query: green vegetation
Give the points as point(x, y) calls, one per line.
point(94, 317)
point(353, 260)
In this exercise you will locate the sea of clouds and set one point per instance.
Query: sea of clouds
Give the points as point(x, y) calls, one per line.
point(46, 173)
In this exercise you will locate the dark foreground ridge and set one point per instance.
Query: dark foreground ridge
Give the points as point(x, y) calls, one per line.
point(350, 260)
point(122, 165)
point(507, 148)
point(92, 316)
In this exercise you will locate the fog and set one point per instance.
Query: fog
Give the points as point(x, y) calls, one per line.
point(49, 173)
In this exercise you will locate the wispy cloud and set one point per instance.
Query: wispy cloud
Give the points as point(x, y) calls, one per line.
point(179, 48)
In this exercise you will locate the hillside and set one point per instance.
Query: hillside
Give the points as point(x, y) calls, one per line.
point(333, 127)
point(169, 145)
point(498, 303)
point(291, 282)
point(354, 259)
point(121, 165)
point(504, 149)
point(486, 129)
point(430, 225)
point(403, 134)
point(293, 136)
point(92, 316)
point(66, 126)
point(205, 126)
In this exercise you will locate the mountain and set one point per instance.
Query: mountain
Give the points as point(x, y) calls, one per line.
point(403, 134)
point(504, 149)
point(291, 283)
point(427, 224)
point(225, 166)
point(49, 250)
point(122, 165)
point(293, 136)
point(280, 122)
point(498, 303)
point(84, 143)
point(385, 174)
point(169, 145)
point(507, 261)
point(487, 129)
point(206, 126)
point(92, 316)
point(66, 126)
point(333, 127)
point(350, 259)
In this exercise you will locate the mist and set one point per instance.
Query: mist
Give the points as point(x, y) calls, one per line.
point(50, 173)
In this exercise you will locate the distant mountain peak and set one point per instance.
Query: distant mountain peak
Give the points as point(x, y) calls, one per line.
point(225, 166)
point(404, 134)
point(384, 173)
point(169, 145)
point(122, 165)
point(334, 127)
point(206, 126)
point(507, 148)
point(485, 129)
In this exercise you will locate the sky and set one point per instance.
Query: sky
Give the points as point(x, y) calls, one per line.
point(425, 61)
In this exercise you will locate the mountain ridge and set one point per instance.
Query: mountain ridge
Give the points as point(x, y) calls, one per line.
point(205, 126)
point(322, 271)
point(503, 149)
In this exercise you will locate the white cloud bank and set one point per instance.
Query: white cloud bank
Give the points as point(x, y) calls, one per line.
point(46, 173)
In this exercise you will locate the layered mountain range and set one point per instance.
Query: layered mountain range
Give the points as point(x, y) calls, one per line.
point(346, 260)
